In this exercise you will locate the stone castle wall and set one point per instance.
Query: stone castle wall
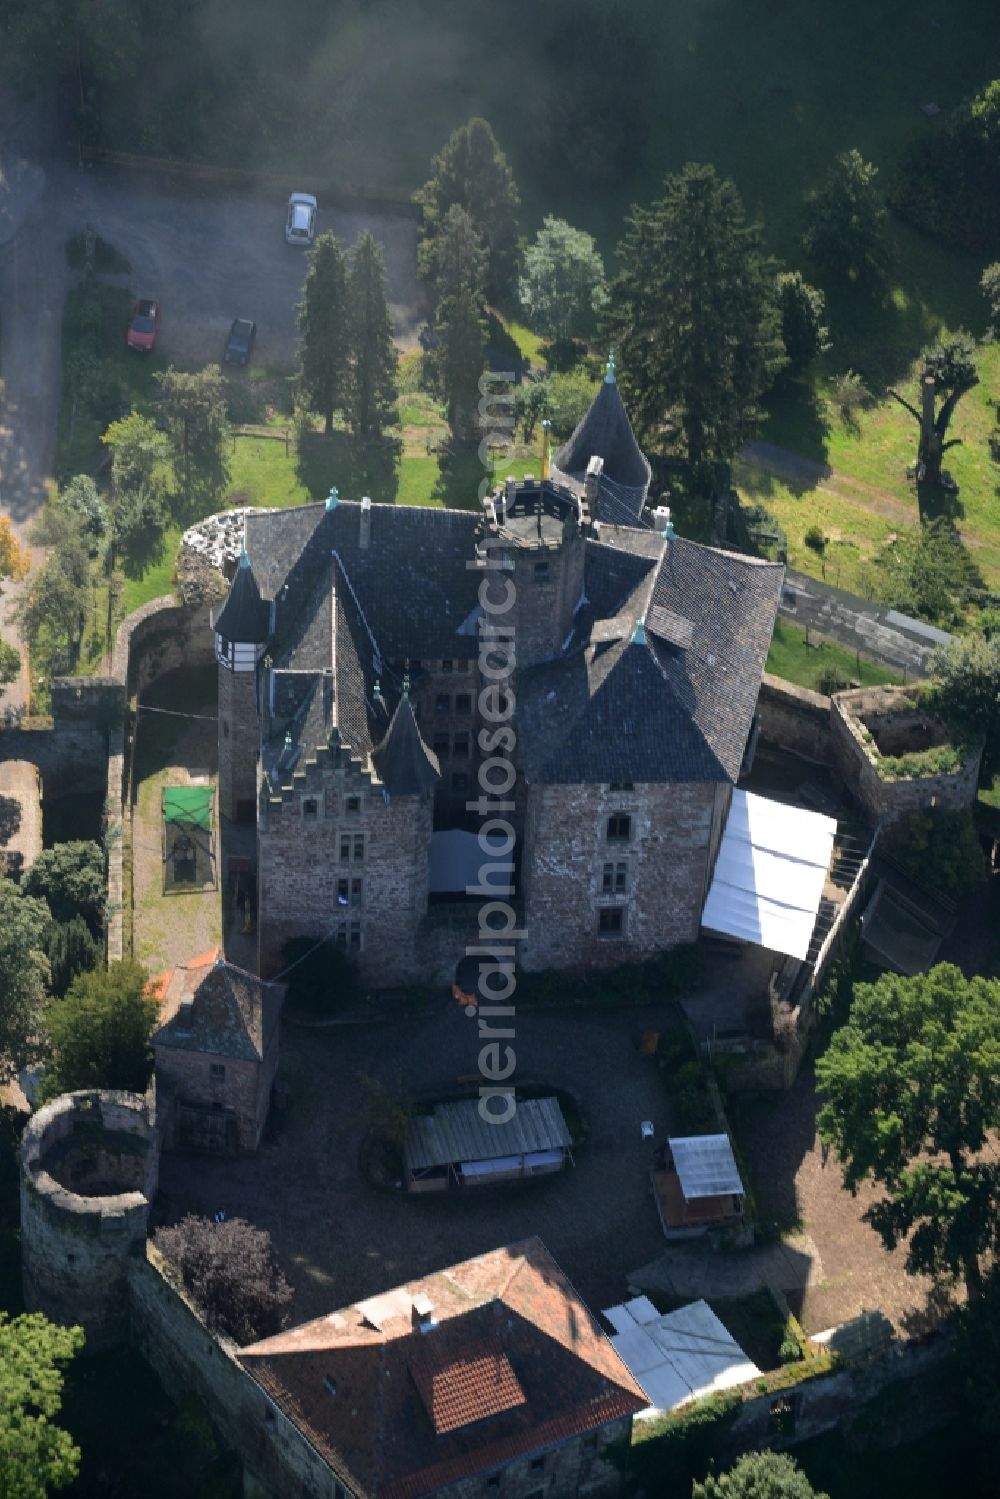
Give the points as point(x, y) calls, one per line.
point(669, 852)
point(89, 1165)
point(793, 718)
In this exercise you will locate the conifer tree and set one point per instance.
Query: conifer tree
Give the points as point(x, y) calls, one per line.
point(694, 318)
point(371, 378)
point(472, 171)
point(323, 325)
point(459, 268)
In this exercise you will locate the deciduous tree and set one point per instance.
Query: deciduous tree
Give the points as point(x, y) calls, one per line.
point(36, 1455)
point(990, 284)
point(694, 317)
point(966, 690)
point(562, 286)
point(911, 1088)
point(371, 375)
point(472, 171)
point(846, 232)
point(52, 610)
point(947, 371)
point(98, 1033)
point(82, 499)
point(322, 316)
point(759, 1475)
point(24, 974)
point(69, 877)
point(194, 408)
point(231, 1272)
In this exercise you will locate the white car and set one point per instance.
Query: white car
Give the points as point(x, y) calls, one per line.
point(300, 227)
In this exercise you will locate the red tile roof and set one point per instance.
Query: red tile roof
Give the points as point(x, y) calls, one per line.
point(414, 1410)
point(458, 1390)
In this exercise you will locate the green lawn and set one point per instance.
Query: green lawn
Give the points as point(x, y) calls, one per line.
point(805, 664)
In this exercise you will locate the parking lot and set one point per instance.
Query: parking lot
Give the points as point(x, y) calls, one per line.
point(210, 255)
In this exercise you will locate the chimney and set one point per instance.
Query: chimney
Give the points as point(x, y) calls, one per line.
point(597, 530)
point(366, 520)
point(423, 1312)
point(592, 479)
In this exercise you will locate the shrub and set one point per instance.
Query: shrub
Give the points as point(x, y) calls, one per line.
point(830, 680)
point(939, 848)
point(670, 1452)
point(99, 1032)
point(948, 183)
point(918, 764)
point(71, 950)
point(70, 877)
point(850, 396)
point(815, 539)
point(231, 1273)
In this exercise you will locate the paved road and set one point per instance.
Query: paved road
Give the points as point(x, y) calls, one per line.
point(208, 255)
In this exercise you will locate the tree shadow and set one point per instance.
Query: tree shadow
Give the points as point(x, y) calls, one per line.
point(356, 468)
point(935, 502)
point(460, 473)
point(797, 419)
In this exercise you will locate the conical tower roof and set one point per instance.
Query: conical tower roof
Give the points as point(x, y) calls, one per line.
point(244, 616)
point(605, 431)
point(404, 764)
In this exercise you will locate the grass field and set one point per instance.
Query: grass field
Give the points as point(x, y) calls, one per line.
point(806, 663)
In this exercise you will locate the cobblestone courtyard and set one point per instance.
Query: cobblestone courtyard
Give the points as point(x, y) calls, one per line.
point(339, 1238)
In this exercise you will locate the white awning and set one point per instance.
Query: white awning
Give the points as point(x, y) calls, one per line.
point(705, 1166)
point(769, 874)
point(680, 1356)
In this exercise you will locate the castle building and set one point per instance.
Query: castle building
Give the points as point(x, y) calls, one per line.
point(393, 680)
point(491, 1376)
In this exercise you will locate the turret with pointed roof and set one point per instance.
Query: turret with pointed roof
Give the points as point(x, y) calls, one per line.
point(244, 617)
point(406, 767)
point(621, 481)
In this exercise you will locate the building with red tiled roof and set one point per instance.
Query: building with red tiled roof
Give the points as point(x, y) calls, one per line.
point(216, 1052)
point(489, 1377)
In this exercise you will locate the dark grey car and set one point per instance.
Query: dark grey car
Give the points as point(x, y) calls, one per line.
point(239, 345)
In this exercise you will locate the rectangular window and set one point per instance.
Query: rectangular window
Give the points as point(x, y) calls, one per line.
point(310, 806)
point(619, 827)
point(608, 879)
point(541, 572)
point(359, 847)
point(463, 702)
point(538, 1464)
point(440, 745)
point(345, 848)
point(343, 892)
point(355, 936)
point(621, 878)
point(447, 665)
point(217, 1072)
point(357, 891)
point(611, 921)
point(352, 804)
point(460, 746)
point(621, 786)
point(442, 703)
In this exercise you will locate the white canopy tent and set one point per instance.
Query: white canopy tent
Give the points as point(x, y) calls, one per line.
point(769, 874)
point(677, 1357)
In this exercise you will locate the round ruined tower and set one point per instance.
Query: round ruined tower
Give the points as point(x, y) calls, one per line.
point(89, 1164)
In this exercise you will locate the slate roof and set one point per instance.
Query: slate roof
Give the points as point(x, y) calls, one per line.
point(232, 1013)
point(605, 431)
point(405, 765)
point(632, 704)
point(243, 616)
point(412, 1410)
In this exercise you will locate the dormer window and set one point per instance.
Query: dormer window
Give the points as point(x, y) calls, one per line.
point(619, 829)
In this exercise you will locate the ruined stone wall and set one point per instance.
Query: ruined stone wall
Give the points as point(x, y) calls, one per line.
point(75, 1247)
point(856, 757)
point(793, 718)
point(302, 867)
point(585, 1466)
point(193, 1363)
point(673, 833)
point(162, 636)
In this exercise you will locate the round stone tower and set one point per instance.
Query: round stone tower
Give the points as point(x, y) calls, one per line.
point(242, 627)
point(533, 530)
point(89, 1165)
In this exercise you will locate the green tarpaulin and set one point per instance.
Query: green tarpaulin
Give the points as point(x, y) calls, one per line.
point(188, 806)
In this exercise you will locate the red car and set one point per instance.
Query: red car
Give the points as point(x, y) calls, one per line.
point(145, 323)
